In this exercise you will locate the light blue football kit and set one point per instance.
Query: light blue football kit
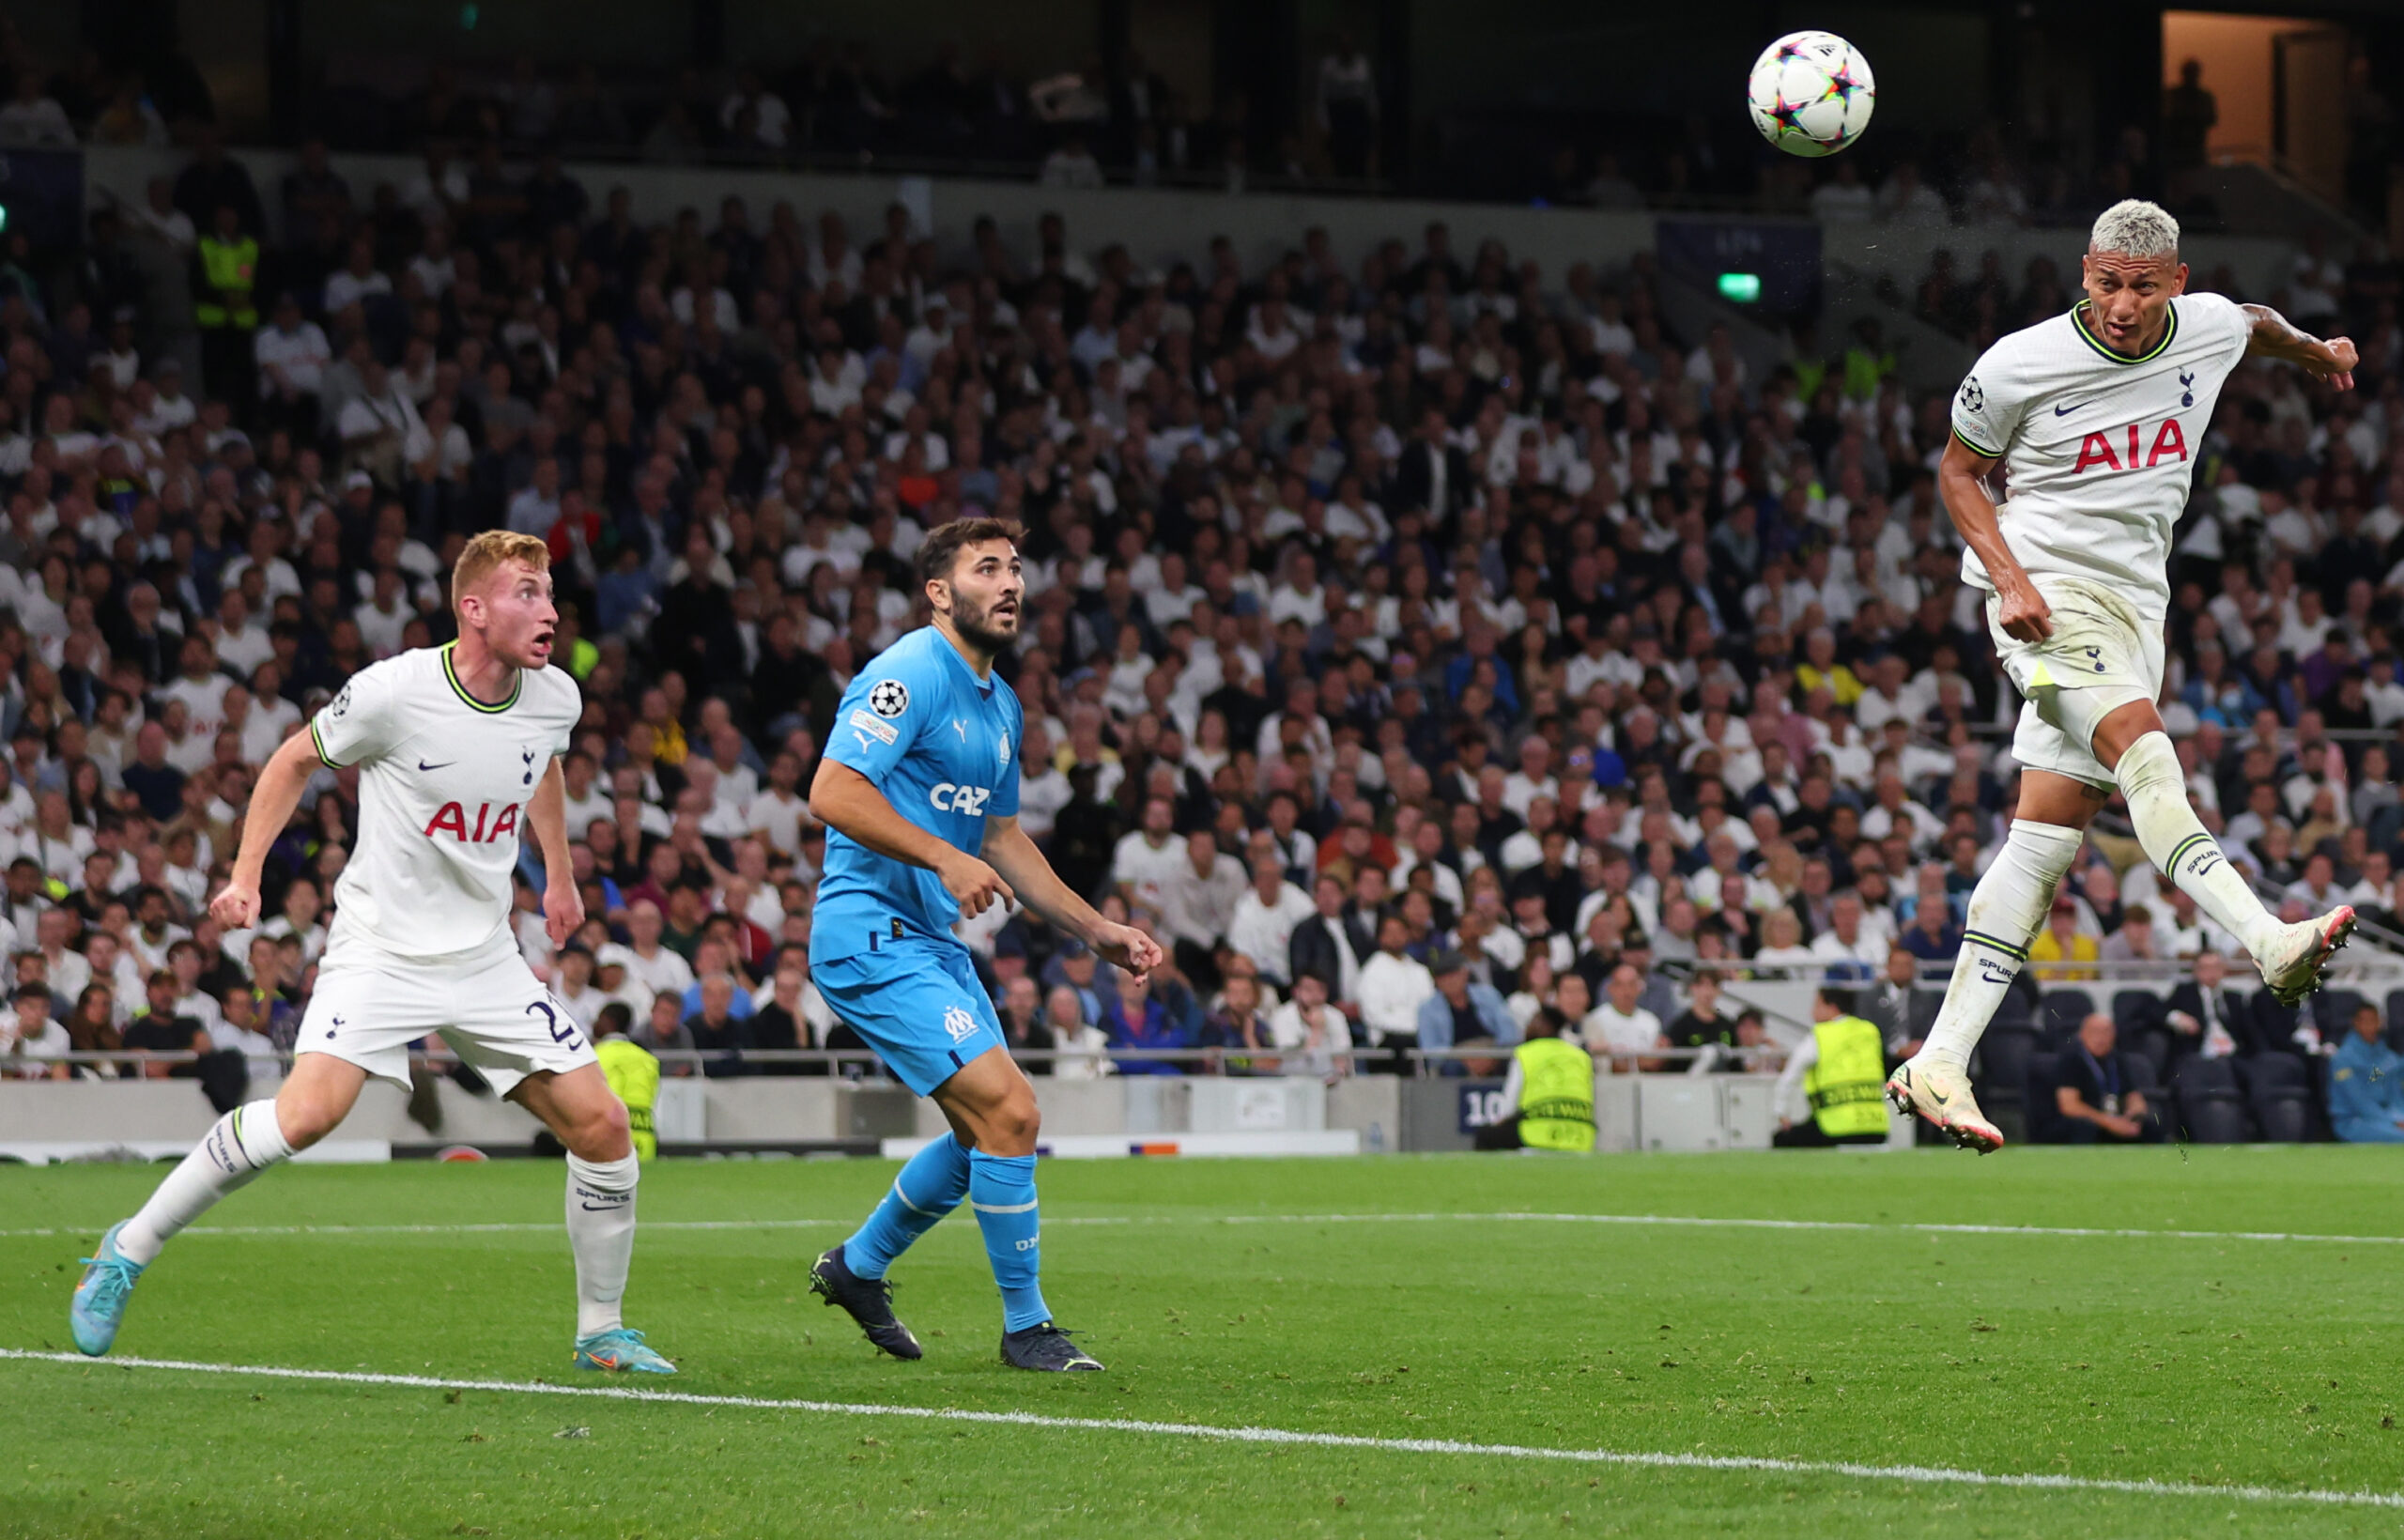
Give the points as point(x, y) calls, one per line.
point(942, 746)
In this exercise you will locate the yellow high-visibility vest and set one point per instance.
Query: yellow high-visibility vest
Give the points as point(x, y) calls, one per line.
point(634, 1075)
point(1556, 1095)
point(229, 272)
point(1847, 1087)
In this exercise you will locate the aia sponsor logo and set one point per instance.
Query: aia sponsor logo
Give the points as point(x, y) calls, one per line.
point(487, 826)
point(2119, 449)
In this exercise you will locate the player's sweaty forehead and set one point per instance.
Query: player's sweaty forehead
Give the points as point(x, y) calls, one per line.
point(2120, 268)
point(511, 576)
point(993, 558)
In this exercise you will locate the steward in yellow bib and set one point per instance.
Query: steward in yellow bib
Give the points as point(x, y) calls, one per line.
point(1841, 1068)
point(225, 306)
point(632, 1072)
point(1548, 1097)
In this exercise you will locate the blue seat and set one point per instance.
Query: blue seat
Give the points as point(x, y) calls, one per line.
point(2283, 1119)
point(2043, 1111)
point(2210, 1106)
point(2064, 1009)
point(2279, 1094)
point(2332, 1011)
point(2002, 1074)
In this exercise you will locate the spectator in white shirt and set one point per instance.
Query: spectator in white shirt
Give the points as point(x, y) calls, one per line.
point(33, 1045)
point(770, 121)
point(1071, 166)
point(1262, 927)
point(1848, 940)
point(1198, 901)
point(358, 279)
point(651, 969)
point(1146, 859)
point(242, 645)
point(1393, 985)
point(1621, 1026)
point(33, 118)
point(292, 355)
point(1534, 778)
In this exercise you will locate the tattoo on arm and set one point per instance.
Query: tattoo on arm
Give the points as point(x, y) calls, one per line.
point(2276, 335)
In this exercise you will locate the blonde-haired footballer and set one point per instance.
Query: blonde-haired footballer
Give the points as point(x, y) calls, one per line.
point(457, 752)
point(2097, 416)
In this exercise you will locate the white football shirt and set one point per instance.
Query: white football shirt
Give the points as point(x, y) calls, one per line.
point(444, 781)
point(2099, 448)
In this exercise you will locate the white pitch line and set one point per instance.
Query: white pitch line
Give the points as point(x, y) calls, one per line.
point(1678, 1221)
point(1909, 1474)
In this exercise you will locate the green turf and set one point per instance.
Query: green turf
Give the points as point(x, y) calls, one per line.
point(2217, 1361)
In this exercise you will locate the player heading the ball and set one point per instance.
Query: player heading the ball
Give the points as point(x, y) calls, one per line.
point(2096, 416)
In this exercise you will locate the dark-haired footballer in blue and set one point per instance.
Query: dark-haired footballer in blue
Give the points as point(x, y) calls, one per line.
point(918, 789)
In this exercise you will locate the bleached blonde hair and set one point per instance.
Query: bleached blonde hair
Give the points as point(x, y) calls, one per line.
point(2133, 228)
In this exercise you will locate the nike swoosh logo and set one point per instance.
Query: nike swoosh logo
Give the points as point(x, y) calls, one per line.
point(2065, 411)
point(1993, 979)
point(444, 765)
point(601, 1208)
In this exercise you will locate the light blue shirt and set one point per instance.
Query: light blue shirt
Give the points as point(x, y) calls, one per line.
point(942, 745)
point(2366, 1081)
point(1436, 1018)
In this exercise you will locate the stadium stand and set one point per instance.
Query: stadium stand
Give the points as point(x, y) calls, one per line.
point(1424, 580)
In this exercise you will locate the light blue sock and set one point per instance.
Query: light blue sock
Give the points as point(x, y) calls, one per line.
point(929, 1186)
point(1001, 1188)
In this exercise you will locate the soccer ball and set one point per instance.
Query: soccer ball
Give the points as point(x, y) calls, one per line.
point(1811, 93)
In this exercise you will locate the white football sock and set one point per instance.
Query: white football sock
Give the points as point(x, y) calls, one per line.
point(244, 1143)
point(2176, 843)
point(601, 1232)
point(2007, 909)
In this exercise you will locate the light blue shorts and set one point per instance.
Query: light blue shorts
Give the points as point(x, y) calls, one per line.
point(918, 1002)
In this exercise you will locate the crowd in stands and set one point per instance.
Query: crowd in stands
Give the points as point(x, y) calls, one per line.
point(833, 103)
point(1090, 120)
point(1412, 641)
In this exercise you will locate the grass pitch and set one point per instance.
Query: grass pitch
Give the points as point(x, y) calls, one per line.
point(2260, 1367)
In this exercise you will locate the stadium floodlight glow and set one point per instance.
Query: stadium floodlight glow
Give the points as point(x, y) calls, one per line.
point(1742, 287)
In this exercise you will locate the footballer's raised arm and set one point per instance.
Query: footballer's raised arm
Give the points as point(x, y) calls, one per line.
point(2271, 335)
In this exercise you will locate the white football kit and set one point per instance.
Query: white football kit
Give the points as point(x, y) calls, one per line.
point(2099, 451)
point(421, 940)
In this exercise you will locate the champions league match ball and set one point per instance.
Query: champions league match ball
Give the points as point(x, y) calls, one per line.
point(1811, 93)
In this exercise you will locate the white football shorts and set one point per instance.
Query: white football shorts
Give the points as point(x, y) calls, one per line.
point(2101, 656)
point(489, 1006)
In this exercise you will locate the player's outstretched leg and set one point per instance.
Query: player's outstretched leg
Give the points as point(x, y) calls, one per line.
point(2294, 959)
point(2007, 909)
point(244, 1143)
point(602, 1172)
point(851, 1275)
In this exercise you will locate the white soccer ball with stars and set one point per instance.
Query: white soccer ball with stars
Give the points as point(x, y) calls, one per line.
point(1811, 93)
